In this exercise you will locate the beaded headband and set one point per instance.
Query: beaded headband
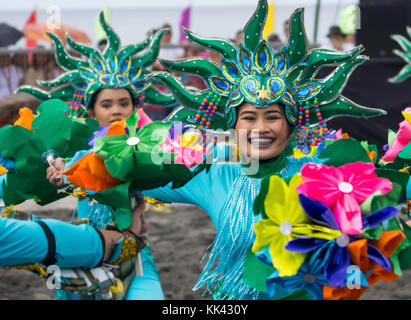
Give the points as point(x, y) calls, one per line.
point(114, 68)
point(253, 73)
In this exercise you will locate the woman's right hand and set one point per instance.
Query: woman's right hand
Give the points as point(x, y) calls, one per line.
point(56, 165)
point(138, 225)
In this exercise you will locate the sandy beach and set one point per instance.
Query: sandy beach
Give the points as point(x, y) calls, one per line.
point(178, 240)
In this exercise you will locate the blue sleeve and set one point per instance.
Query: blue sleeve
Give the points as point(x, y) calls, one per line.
point(25, 242)
point(76, 245)
point(21, 242)
point(207, 190)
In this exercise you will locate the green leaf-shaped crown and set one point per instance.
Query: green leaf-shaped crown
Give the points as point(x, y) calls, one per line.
point(405, 54)
point(114, 68)
point(252, 72)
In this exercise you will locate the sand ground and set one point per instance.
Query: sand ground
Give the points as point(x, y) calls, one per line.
point(178, 240)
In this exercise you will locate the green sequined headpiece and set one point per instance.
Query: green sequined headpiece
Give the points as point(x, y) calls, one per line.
point(114, 68)
point(252, 72)
point(405, 45)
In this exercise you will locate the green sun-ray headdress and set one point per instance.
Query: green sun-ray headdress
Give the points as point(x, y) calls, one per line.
point(252, 72)
point(116, 67)
point(405, 45)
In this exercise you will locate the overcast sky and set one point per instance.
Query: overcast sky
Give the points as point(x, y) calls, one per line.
point(41, 4)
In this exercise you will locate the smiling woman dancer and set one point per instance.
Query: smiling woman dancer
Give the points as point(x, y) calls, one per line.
point(107, 86)
point(266, 97)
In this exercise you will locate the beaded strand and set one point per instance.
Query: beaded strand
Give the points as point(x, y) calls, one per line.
point(207, 109)
point(76, 109)
point(310, 137)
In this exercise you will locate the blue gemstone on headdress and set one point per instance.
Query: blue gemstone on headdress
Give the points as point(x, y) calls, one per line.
point(221, 84)
point(275, 85)
point(280, 63)
point(132, 73)
point(303, 92)
point(139, 85)
point(80, 84)
point(262, 59)
point(232, 71)
point(246, 60)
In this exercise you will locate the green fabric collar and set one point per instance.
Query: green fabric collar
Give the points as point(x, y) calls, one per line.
point(269, 166)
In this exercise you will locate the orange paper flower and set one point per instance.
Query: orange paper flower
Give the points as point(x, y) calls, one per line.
point(90, 173)
point(386, 244)
point(26, 118)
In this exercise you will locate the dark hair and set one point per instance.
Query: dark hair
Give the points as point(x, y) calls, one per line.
point(95, 95)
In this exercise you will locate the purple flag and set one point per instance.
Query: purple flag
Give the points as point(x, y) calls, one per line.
point(184, 22)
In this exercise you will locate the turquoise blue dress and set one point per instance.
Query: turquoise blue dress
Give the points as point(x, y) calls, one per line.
point(25, 242)
point(227, 194)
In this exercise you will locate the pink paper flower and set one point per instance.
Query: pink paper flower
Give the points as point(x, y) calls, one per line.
point(144, 118)
point(342, 190)
point(186, 150)
point(402, 139)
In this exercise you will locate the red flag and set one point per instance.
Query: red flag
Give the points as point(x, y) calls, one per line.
point(31, 43)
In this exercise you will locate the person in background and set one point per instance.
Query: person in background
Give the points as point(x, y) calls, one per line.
point(275, 41)
point(101, 45)
point(349, 41)
point(10, 75)
point(155, 112)
point(286, 30)
point(336, 38)
point(38, 71)
point(238, 37)
point(53, 71)
point(167, 52)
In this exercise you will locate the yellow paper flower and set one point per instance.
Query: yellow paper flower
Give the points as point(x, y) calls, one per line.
point(286, 221)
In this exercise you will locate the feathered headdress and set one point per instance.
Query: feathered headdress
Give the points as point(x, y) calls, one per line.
point(252, 72)
point(114, 68)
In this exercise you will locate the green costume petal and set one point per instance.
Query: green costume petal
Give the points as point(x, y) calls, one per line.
point(297, 42)
point(113, 39)
point(335, 82)
point(156, 97)
point(184, 96)
point(62, 79)
point(63, 59)
point(253, 30)
point(81, 48)
point(405, 45)
point(225, 47)
point(322, 57)
point(343, 106)
point(198, 66)
point(64, 93)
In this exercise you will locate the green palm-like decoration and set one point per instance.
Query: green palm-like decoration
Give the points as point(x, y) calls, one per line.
point(114, 68)
point(252, 72)
point(405, 45)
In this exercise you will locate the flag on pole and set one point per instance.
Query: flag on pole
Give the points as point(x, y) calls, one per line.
point(31, 43)
point(269, 24)
point(184, 22)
